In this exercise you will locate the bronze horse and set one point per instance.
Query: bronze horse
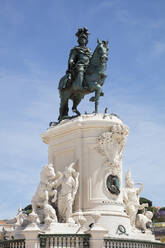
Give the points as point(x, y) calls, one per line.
point(93, 81)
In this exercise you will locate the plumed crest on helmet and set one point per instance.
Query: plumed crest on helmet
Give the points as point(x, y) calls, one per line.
point(83, 32)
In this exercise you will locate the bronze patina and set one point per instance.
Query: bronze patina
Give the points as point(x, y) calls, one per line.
point(85, 74)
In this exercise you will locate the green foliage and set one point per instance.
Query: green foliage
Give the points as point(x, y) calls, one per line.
point(157, 219)
point(149, 208)
point(28, 209)
point(152, 209)
point(145, 200)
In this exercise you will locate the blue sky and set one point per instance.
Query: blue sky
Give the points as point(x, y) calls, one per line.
point(36, 37)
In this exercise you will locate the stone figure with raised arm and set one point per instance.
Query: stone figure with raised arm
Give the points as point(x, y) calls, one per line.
point(131, 198)
point(68, 188)
point(46, 194)
point(19, 218)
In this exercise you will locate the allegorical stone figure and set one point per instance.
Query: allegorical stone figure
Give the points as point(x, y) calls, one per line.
point(46, 194)
point(56, 191)
point(144, 221)
point(131, 198)
point(78, 60)
point(19, 218)
point(66, 195)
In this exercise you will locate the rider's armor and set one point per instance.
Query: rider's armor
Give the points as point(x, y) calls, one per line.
point(77, 64)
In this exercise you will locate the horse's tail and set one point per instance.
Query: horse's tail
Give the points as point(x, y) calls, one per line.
point(63, 83)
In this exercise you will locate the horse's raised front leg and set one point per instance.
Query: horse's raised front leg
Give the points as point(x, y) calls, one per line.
point(98, 91)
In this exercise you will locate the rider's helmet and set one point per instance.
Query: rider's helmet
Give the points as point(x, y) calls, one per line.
point(83, 33)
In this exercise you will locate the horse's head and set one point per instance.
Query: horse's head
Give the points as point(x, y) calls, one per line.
point(97, 66)
point(102, 51)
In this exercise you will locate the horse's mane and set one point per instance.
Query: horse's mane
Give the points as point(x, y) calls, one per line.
point(94, 55)
point(93, 62)
point(95, 59)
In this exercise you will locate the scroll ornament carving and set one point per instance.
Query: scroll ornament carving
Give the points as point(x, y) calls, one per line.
point(111, 144)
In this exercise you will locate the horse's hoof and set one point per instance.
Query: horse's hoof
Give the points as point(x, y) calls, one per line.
point(85, 88)
point(76, 111)
point(64, 117)
point(95, 112)
point(53, 123)
point(92, 99)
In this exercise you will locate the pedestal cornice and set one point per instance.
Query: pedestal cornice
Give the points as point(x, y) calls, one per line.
point(82, 122)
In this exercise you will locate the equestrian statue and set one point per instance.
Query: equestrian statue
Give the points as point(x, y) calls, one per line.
point(85, 74)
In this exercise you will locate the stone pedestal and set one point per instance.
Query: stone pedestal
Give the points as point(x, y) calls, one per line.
point(87, 150)
point(31, 233)
point(97, 143)
point(97, 236)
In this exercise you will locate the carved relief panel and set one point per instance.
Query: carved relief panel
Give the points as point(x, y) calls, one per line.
point(110, 145)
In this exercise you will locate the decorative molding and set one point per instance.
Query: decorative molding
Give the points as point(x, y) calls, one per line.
point(110, 145)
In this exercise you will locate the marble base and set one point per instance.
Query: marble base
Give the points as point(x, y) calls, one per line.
point(80, 140)
point(60, 228)
point(97, 142)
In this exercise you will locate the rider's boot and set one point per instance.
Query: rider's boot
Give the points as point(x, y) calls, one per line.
point(79, 80)
point(78, 84)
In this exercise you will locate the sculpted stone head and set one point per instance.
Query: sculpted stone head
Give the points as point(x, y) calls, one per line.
point(68, 171)
point(47, 173)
